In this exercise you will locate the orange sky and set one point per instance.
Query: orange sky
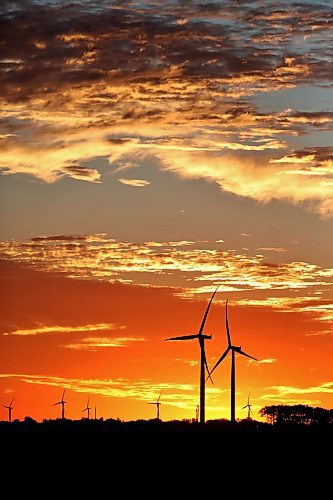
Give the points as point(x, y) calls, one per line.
point(149, 153)
point(294, 364)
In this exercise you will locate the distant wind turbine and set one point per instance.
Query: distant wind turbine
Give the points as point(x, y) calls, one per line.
point(248, 406)
point(197, 413)
point(95, 413)
point(62, 403)
point(10, 408)
point(87, 409)
point(203, 361)
point(158, 404)
point(233, 350)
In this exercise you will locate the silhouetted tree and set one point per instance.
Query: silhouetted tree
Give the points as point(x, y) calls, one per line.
point(29, 421)
point(297, 414)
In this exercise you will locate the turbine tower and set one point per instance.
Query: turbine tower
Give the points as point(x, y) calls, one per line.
point(158, 404)
point(87, 409)
point(233, 350)
point(197, 413)
point(10, 408)
point(62, 403)
point(203, 361)
point(248, 406)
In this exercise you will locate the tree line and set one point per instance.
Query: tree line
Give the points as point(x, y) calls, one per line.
point(297, 414)
point(300, 417)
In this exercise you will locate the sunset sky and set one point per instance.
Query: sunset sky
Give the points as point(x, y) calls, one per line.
point(149, 151)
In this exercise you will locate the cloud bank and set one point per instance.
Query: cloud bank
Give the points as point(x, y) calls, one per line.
point(124, 81)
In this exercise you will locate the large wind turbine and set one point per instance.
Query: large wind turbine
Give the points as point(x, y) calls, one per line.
point(10, 408)
point(203, 361)
point(158, 404)
point(62, 403)
point(87, 409)
point(233, 350)
point(248, 406)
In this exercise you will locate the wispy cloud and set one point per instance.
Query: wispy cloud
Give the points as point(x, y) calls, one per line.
point(193, 268)
point(250, 176)
point(292, 395)
point(272, 249)
point(319, 308)
point(178, 395)
point(284, 400)
point(134, 182)
point(320, 333)
point(93, 343)
point(267, 361)
point(325, 387)
point(325, 311)
point(189, 362)
point(46, 329)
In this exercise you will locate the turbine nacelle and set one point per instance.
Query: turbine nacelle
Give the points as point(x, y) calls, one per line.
point(239, 350)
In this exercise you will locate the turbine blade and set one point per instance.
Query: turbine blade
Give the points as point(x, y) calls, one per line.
point(159, 397)
point(207, 311)
point(11, 402)
point(206, 365)
point(227, 323)
point(184, 337)
point(244, 407)
point(244, 354)
point(63, 394)
point(220, 360)
point(55, 404)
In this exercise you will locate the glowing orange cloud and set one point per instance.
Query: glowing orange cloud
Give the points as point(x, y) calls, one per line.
point(194, 271)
